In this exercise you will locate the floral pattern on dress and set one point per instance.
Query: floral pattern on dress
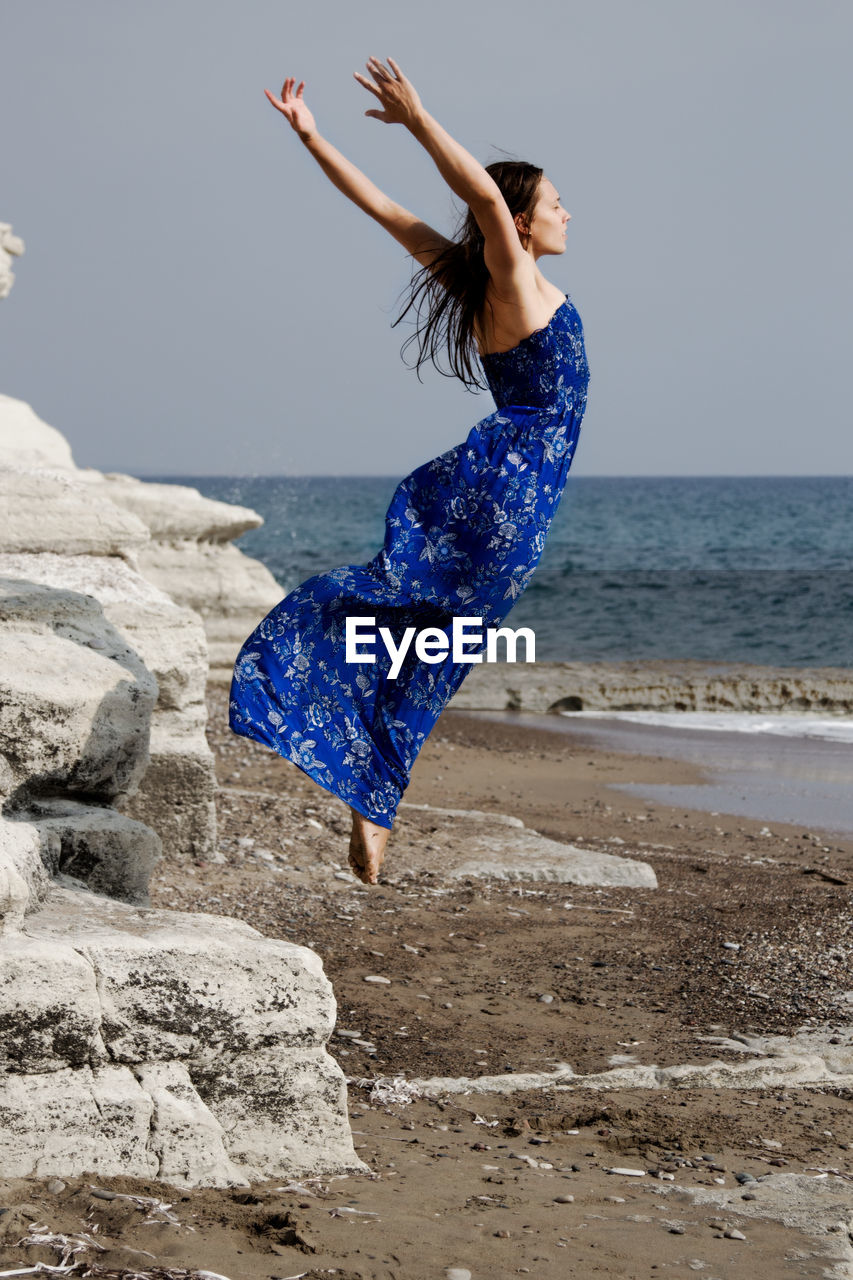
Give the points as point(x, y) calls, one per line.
point(463, 536)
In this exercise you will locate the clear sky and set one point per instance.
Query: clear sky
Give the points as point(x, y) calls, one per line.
point(197, 299)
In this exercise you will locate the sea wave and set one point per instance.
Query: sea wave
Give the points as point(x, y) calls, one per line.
point(788, 725)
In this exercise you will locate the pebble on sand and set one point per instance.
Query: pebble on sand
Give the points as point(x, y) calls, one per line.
point(457, 1273)
point(378, 979)
point(629, 1173)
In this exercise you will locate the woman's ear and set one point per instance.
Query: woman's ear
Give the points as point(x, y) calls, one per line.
point(522, 226)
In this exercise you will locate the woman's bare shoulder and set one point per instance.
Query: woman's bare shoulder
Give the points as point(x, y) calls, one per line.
point(509, 316)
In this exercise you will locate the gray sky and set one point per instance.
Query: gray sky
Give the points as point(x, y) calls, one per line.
point(196, 298)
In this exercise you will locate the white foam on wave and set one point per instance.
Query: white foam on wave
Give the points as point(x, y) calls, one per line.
point(786, 726)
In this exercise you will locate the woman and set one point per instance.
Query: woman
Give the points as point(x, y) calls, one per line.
point(463, 532)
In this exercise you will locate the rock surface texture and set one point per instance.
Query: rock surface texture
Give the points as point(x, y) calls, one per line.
point(654, 686)
point(11, 246)
point(496, 846)
point(190, 556)
point(135, 1041)
point(64, 532)
point(160, 1044)
point(186, 1047)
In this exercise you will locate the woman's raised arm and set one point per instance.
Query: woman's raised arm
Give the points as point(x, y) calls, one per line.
point(416, 236)
point(507, 262)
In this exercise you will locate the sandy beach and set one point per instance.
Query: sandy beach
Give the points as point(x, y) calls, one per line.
point(491, 999)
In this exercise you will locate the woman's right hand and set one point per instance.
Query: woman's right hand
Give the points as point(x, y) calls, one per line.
point(293, 108)
point(397, 95)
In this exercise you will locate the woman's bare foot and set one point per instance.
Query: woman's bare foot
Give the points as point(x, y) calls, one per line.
point(366, 847)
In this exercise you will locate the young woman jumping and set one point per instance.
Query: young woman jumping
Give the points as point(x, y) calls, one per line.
point(464, 532)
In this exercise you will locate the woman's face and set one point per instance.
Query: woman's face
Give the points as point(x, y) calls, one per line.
point(548, 222)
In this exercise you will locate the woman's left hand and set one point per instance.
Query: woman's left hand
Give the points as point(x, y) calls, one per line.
point(292, 106)
point(399, 99)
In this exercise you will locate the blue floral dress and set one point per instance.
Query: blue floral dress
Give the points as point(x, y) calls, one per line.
point(463, 535)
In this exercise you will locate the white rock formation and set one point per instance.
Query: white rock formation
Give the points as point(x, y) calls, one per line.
point(190, 556)
point(75, 698)
point(188, 553)
point(231, 592)
point(137, 1042)
point(493, 855)
point(657, 686)
point(26, 441)
point(783, 1061)
point(160, 1044)
point(11, 246)
point(497, 846)
point(63, 532)
point(52, 511)
point(74, 526)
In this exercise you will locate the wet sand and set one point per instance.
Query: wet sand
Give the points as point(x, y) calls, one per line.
point(799, 770)
point(511, 1183)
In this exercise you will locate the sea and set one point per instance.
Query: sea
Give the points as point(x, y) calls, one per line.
point(717, 569)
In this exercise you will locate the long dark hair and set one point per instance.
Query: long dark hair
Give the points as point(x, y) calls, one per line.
point(447, 295)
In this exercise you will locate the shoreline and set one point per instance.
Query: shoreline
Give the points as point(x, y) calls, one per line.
point(797, 779)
